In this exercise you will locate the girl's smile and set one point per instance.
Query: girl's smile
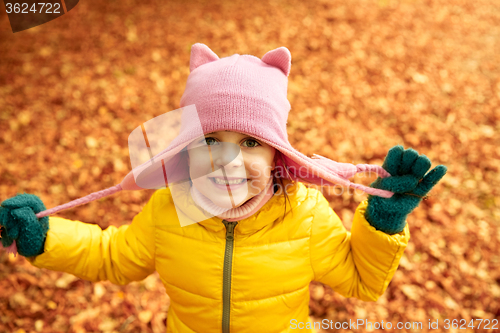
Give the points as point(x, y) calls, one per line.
point(228, 181)
point(230, 168)
point(230, 186)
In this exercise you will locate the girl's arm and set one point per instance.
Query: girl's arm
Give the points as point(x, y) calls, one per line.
point(360, 263)
point(120, 255)
point(363, 262)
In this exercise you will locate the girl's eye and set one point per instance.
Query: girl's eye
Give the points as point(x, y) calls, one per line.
point(251, 143)
point(209, 141)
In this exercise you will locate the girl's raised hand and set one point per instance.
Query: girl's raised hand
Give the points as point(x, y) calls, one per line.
point(19, 224)
point(410, 185)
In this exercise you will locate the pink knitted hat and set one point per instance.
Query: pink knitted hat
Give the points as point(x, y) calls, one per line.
point(245, 94)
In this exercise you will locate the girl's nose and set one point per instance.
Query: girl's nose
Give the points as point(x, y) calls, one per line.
point(229, 156)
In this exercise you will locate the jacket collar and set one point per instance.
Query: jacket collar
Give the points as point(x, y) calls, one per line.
point(190, 213)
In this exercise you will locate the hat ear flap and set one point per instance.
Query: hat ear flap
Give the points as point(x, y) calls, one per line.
point(280, 58)
point(200, 55)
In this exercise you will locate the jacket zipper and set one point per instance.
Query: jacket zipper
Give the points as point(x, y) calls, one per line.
point(226, 276)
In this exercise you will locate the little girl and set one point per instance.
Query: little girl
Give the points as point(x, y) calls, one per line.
point(237, 245)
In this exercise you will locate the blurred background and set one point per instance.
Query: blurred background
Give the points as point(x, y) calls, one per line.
point(366, 75)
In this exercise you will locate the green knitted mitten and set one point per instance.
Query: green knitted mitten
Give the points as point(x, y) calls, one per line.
point(19, 224)
point(410, 185)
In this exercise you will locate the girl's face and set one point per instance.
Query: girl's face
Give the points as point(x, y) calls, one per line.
point(246, 163)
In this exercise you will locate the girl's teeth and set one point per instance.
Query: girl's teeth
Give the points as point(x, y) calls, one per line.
point(229, 182)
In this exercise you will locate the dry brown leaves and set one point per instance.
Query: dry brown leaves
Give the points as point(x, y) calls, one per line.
point(366, 75)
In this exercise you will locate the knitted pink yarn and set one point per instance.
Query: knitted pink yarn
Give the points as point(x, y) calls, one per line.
point(245, 94)
point(81, 201)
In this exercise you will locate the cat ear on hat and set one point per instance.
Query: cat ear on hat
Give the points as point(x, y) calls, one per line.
point(280, 58)
point(200, 55)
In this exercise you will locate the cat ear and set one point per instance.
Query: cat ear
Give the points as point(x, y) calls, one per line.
point(280, 58)
point(201, 54)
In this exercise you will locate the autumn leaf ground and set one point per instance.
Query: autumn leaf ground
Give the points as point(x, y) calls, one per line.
point(366, 75)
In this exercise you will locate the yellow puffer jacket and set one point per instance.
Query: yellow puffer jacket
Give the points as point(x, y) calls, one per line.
point(254, 281)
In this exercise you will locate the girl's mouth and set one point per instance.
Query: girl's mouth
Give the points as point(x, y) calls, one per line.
point(233, 183)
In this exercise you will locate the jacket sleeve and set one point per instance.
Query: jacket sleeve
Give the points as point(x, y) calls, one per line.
point(360, 263)
point(120, 255)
